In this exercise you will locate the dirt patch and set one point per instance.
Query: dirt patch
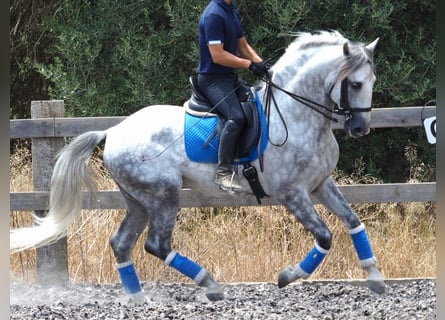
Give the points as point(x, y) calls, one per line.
point(414, 299)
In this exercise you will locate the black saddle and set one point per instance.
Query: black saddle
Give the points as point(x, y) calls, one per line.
point(250, 135)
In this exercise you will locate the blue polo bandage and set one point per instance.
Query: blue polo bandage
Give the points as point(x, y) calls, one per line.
point(361, 243)
point(313, 259)
point(183, 265)
point(129, 278)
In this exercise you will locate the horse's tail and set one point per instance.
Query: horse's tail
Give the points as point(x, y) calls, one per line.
point(69, 175)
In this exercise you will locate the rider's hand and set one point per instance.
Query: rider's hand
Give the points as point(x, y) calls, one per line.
point(260, 68)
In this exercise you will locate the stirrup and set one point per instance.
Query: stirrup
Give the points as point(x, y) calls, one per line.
point(226, 183)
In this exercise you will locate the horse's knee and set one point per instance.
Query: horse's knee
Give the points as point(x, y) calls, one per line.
point(324, 239)
point(158, 248)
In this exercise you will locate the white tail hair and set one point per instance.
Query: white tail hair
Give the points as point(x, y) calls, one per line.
point(65, 201)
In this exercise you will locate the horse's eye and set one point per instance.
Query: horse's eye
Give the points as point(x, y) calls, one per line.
point(356, 85)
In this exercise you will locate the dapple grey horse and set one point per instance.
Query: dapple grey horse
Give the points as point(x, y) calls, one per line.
point(146, 157)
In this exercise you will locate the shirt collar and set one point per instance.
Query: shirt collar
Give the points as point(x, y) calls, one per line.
point(225, 5)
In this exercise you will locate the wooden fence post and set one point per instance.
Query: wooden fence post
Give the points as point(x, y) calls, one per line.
point(52, 260)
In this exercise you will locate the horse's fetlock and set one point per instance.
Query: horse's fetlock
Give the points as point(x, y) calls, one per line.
point(324, 240)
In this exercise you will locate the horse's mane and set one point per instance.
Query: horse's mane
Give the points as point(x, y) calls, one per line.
point(306, 40)
point(358, 54)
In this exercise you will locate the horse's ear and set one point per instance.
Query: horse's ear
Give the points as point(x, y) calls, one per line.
point(372, 45)
point(346, 48)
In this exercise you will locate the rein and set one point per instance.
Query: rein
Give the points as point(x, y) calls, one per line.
point(307, 102)
point(344, 109)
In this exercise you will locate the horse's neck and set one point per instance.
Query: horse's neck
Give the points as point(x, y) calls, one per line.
point(311, 86)
point(307, 76)
point(307, 72)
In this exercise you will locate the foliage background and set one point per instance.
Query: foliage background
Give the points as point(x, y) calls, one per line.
point(110, 57)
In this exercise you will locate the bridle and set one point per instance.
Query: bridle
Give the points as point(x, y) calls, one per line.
point(345, 108)
point(341, 109)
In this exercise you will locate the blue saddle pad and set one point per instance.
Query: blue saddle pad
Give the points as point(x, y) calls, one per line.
point(198, 129)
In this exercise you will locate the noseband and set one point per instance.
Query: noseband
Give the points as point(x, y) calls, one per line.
point(345, 107)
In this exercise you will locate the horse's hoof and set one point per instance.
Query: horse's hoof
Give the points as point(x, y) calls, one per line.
point(284, 277)
point(215, 294)
point(375, 280)
point(137, 298)
point(376, 286)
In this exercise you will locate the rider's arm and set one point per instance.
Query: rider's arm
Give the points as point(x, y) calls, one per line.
point(246, 51)
point(225, 58)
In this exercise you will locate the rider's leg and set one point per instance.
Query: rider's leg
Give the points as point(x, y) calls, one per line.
point(226, 150)
point(221, 91)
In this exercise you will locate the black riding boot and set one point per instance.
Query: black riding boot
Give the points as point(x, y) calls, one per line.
point(230, 135)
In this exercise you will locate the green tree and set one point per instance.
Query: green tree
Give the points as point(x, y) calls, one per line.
point(28, 40)
point(405, 62)
point(109, 57)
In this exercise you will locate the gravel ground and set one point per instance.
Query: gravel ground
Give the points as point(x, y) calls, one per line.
point(413, 299)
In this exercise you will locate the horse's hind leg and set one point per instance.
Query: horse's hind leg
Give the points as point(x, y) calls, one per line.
point(301, 206)
point(329, 195)
point(123, 241)
point(158, 243)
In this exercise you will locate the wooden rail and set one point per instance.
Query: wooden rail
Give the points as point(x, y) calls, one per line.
point(358, 193)
point(70, 127)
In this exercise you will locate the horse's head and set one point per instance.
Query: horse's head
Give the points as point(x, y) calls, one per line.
point(352, 90)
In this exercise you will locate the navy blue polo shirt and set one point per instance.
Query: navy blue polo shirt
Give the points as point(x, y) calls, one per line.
point(219, 23)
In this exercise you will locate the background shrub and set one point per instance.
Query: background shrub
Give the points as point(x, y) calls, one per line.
point(113, 57)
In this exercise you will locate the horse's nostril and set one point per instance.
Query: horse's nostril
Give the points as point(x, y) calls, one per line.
point(357, 131)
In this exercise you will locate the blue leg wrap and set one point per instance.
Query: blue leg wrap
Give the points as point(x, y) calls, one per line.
point(183, 265)
point(313, 259)
point(361, 243)
point(129, 278)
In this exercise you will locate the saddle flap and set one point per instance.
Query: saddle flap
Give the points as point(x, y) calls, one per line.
point(251, 132)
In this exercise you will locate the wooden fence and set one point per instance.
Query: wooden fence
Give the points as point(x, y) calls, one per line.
point(48, 128)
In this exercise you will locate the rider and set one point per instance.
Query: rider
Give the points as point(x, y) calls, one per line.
point(221, 37)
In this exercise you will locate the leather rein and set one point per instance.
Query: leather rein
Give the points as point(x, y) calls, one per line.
point(344, 109)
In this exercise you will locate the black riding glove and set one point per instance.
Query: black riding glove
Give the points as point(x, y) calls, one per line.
point(260, 68)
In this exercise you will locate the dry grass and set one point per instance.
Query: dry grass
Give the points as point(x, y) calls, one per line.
point(238, 244)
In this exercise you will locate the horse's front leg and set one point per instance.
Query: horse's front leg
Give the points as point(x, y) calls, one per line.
point(300, 204)
point(329, 195)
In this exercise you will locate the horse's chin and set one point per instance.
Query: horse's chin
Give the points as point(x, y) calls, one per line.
point(356, 131)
